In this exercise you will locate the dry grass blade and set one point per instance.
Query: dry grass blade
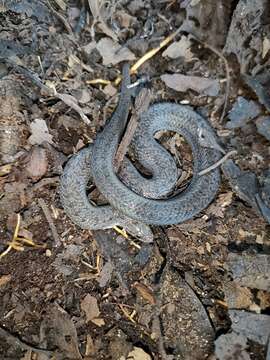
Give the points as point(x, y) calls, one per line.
point(18, 241)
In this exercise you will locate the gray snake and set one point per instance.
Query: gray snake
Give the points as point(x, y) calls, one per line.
point(130, 203)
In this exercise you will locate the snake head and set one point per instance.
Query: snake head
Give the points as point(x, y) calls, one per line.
point(208, 139)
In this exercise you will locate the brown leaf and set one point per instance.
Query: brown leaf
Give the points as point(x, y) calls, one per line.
point(90, 306)
point(40, 132)
point(4, 279)
point(145, 292)
point(100, 15)
point(182, 83)
point(180, 48)
point(37, 163)
point(138, 354)
point(63, 332)
point(112, 52)
point(105, 274)
point(98, 321)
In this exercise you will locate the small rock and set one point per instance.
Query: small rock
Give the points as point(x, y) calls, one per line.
point(263, 126)
point(260, 89)
point(231, 346)
point(242, 111)
point(252, 271)
point(255, 327)
point(244, 183)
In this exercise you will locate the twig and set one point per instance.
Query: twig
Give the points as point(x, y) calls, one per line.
point(228, 78)
point(10, 338)
point(48, 217)
point(141, 105)
point(218, 163)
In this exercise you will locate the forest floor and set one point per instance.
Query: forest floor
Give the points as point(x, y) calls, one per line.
point(201, 289)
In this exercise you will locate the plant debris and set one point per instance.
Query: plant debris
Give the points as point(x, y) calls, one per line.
point(201, 288)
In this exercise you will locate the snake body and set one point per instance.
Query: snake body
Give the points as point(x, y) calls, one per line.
point(131, 202)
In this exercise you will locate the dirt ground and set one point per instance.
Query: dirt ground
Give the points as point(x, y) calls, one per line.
point(200, 290)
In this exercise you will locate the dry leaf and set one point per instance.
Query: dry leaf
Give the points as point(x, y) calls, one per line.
point(146, 293)
point(112, 52)
point(62, 330)
point(180, 48)
point(105, 274)
point(109, 90)
point(4, 279)
point(90, 306)
point(201, 85)
point(138, 354)
point(40, 132)
point(100, 14)
point(73, 103)
point(5, 169)
point(90, 346)
point(37, 163)
point(125, 20)
point(98, 321)
point(265, 47)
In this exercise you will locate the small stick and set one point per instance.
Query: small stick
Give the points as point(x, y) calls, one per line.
point(218, 163)
point(48, 217)
point(141, 105)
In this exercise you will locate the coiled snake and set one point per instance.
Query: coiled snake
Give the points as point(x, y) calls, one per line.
point(132, 207)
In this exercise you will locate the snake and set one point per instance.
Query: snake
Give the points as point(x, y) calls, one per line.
point(134, 201)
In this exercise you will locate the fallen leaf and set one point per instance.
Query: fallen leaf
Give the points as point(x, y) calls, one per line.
point(90, 306)
point(182, 83)
point(138, 354)
point(40, 132)
point(265, 47)
point(146, 293)
point(112, 52)
point(100, 14)
point(125, 20)
point(98, 321)
point(5, 169)
point(109, 90)
point(37, 164)
point(63, 332)
point(90, 346)
point(105, 274)
point(71, 101)
point(4, 279)
point(180, 48)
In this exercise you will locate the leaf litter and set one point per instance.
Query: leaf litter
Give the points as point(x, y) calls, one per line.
point(199, 251)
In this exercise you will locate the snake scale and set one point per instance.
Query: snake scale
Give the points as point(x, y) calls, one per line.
point(131, 202)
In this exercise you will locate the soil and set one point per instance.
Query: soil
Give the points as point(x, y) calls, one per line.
point(82, 294)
